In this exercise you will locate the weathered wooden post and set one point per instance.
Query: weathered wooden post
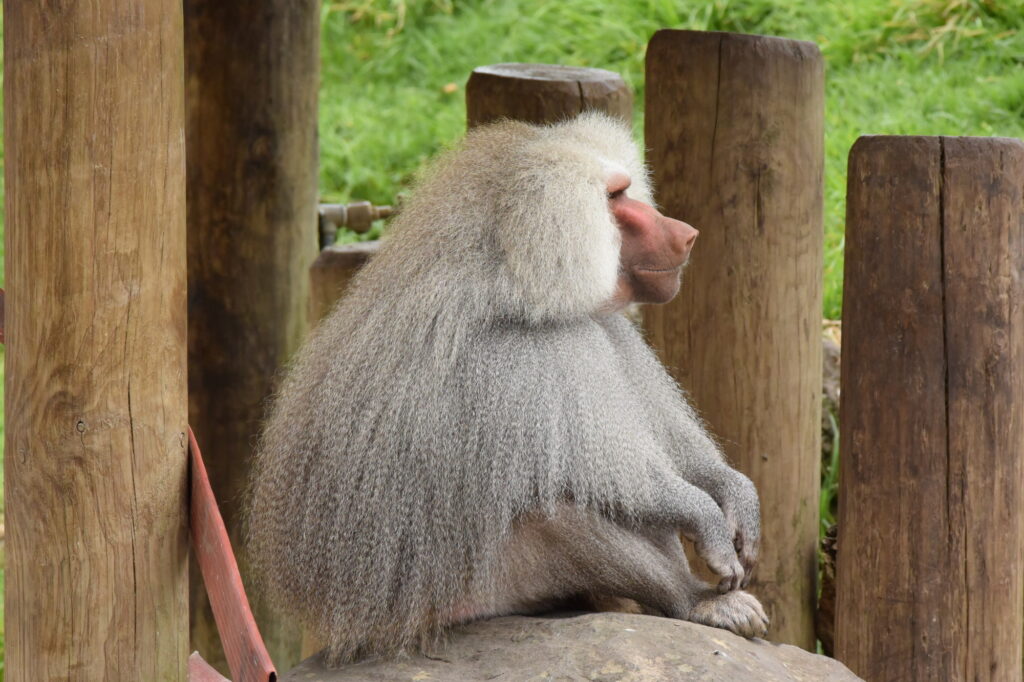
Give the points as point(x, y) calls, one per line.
point(252, 77)
point(734, 129)
point(96, 409)
point(544, 93)
point(331, 272)
point(931, 535)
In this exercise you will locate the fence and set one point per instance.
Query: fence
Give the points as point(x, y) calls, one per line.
point(931, 538)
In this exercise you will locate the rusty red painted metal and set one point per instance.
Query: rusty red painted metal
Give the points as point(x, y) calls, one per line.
point(201, 671)
point(243, 646)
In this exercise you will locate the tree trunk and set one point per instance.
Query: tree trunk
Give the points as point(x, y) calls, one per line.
point(734, 125)
point(544, 93)
point(331, 273)
point(252, 192)
point(931, 528)
point(96, 412)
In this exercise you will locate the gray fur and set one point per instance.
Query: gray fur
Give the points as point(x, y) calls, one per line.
point(472, 379)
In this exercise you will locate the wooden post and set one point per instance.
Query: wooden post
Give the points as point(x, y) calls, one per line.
point(734, 125)
point(931, 531)
point(544, 93)
point(96, 458)
point(331, 272)
point(252, 187)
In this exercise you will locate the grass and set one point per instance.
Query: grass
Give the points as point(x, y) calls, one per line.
point(928, 67)
point(3, 554)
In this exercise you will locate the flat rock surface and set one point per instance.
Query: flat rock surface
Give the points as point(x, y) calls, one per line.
point(609, 647)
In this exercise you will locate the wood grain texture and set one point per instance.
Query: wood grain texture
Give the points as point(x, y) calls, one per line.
point(252, 77)
point(95, 466)
point(931, 531)
point(734, 129)
point(544, 93)
point(331, 272)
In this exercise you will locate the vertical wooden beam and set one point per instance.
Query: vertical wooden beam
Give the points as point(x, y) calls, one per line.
point(544, 93)
point(983, 261)
point(96, 464)
point(931, 536)
point(252, 77)
point(734, 128)
point(331, 273)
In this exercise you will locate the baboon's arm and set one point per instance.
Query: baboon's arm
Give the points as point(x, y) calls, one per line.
point(676, 503)
point(734, 493)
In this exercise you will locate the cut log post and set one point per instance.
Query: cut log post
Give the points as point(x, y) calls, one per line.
point(252, 76)
point(331, 272)
point(96, 410)
point(544, 93)
point(734, 129)
point(931, 527)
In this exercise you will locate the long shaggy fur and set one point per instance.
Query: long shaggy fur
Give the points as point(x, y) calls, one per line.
point(468, 377)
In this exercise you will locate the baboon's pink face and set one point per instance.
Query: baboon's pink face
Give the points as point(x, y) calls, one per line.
point(654, 247)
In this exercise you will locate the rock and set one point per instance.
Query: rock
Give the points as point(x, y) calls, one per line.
point(608, 647)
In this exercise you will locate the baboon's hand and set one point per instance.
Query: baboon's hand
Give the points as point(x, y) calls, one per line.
point(712, 537)
point(743, 516)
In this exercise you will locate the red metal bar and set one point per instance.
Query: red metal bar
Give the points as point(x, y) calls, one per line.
point(201, 671)
point(243, 645)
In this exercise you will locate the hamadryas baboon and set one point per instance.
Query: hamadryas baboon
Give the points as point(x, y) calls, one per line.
point(477, 429)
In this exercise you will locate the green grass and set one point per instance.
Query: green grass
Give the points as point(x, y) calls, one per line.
point(3, 555)
point(928, 67)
